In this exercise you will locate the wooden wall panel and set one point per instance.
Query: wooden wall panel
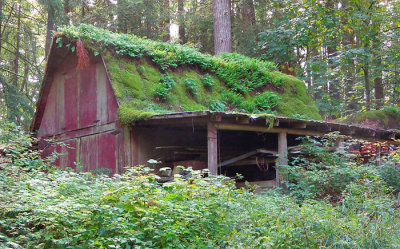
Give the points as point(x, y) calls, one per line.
point(107, 150)
point(88, 153)
point(59, 81)
point(88, 97)
point(68, 159)
point(71, 101)
point(81, 110)
point(48, 125)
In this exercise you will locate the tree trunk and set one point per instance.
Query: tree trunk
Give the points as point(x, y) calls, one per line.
point(17, 47)
point(181, 22)
point(378, 85)
point(348, 68)
point(50, 28)
point(222, 26)
point(367, 88)
point(27, 37)
point(166, 22)
point(248, 14)
point(1, 24)
point(67, 10)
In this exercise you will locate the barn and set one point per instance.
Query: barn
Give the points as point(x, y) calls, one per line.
point(116, 100)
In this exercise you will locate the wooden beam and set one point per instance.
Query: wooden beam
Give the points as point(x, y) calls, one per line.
point(282, 156)
point(212, 146)
point(241, 127)
point(246, 155)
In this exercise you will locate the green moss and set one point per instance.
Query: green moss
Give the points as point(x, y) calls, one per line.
point(387, 116)
point(128, 115)
point(229, 82)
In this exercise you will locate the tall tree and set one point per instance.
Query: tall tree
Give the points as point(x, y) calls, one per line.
point(222, 26)
point(181, 21)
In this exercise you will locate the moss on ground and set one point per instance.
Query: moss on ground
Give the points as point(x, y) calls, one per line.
point(230, 82)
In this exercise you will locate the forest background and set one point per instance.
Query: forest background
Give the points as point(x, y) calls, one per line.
point(346, 51)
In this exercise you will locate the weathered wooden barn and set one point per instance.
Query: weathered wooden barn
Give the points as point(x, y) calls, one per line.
point(85, 109)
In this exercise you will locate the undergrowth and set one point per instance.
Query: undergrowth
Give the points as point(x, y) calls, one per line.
point(64, 209)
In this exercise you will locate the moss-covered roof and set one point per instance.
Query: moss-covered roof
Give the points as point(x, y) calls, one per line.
point(151, 77)
point(387, 118)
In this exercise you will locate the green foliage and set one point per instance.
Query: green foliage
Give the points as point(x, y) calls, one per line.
point(386, 117)
point(163, 87)
point(390, 172)
point(128, 115)
point(239, 78)
point(208, 81)
point(326, 173)
point(64, 209)
point(266, 101)
point(191, 86)
point(218, 106)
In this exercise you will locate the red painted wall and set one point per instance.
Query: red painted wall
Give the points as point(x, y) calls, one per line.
point(80, 110)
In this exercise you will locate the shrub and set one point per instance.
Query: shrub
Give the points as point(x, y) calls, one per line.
point(324, 172)
point(208, 81)
point(216, 105)
point(266, 101)
point(163, 87)
point(191, 86)
point(390, 172)
point(63, 209)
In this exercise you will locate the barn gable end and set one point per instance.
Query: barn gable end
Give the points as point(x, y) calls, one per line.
point(79, 108)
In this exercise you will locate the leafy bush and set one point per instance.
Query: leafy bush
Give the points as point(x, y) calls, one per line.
point(324, 172)
point(191, 86)
point(208, 81)
point(390, 172)
point(266, 101)
point(163, 87)
point(218, 106)
point(63, 209)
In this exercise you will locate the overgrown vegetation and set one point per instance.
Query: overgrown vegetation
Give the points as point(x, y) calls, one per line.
point(388, 117)
point(64, 209)
point(136, 64)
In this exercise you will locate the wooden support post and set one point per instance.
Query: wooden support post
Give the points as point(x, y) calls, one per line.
point(398, 201)
point(212, 145)
point(283, 155)
point(340, 144)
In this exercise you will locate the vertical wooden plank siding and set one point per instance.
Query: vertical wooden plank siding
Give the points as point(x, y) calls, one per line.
point(59, 84)
point(101, 84)
point(124, 149)
point(71, 101)
point(212, 147)
point(134, 148)
point(69, 154)
point(88, 97)
point(48, 126)
point(283, 155)
point(82, 101)
point(107, 152)
point(88, 153)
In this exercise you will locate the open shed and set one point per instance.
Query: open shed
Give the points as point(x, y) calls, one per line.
point(135, 100)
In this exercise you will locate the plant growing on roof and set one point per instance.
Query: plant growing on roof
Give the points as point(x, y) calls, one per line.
point(208, 81)
point(266, 101)
point(163, 87)
point(191, 86)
